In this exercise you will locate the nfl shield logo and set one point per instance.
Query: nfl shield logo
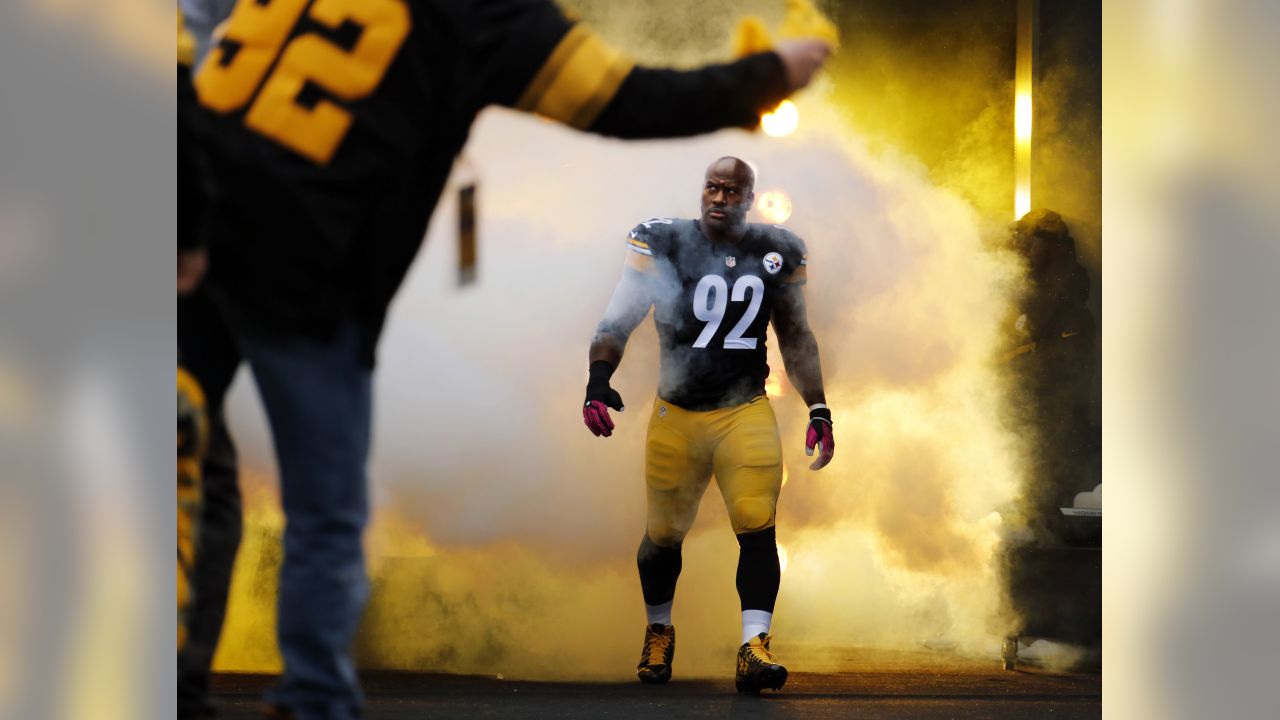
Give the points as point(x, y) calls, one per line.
point(730, 261)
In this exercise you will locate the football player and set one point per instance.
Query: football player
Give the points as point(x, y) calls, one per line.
point(333, 126)
point(715, 284)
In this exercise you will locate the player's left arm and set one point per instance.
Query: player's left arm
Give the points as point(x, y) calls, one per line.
point(804, 369)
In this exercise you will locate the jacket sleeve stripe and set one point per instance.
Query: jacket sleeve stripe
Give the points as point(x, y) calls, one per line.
point(577, 81)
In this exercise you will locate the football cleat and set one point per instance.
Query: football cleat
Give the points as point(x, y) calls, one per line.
point(757, 669)
point(659, 651)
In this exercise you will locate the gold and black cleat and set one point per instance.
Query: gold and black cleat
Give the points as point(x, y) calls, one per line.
point(757, 669)
point(659, 651)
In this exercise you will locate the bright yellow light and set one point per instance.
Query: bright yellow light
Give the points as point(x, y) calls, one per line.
point(782, 557)
point(785, 476)
point(1021, 202)
point(774, 206)
point(1022, 116)
point(1022, 108)
point(782, 121)
point(1022, 152)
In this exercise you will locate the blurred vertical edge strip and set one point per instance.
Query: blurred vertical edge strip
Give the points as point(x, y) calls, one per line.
point(1192, 566)
point(87, 219)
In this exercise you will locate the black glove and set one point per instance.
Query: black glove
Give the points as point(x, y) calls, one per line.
point(600, 397)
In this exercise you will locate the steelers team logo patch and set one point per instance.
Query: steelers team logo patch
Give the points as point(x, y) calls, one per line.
point(772, 263)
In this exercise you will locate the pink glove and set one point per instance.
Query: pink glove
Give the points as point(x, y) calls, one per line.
point(596, 416)
point(820, 436)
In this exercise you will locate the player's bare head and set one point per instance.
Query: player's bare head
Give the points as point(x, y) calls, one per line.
point(737, 170)
point(727, 194)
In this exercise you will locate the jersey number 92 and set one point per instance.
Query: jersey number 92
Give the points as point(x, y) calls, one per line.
point(260, 66)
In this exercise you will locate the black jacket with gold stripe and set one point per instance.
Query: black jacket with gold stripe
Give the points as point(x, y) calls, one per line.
point(334, 125)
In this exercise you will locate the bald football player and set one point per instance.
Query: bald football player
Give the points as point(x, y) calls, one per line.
point(715, 284)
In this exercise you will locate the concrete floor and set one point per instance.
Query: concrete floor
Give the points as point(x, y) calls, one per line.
point(851, 684)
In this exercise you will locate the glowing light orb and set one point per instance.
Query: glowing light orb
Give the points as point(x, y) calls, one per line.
point(774, 206)
point(782, 121)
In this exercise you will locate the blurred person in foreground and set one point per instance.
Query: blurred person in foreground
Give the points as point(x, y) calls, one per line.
point(715, 285)
point(208, 496)
point(195, 201)
point(333, 126)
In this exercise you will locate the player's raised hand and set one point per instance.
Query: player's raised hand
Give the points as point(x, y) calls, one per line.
point(600, 397)
point(802, 59)
point(820, 436)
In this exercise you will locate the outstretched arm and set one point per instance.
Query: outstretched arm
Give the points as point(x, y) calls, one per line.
point(661, 102)
point(804, 370)
point(627, 308)
point(525, 54)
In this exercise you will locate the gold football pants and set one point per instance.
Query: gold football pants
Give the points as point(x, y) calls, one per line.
point(739, 445)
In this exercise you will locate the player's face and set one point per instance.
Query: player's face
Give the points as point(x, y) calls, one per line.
point(726, 198)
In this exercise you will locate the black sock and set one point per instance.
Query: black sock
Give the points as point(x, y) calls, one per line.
point(758, 570)
point(659, 569)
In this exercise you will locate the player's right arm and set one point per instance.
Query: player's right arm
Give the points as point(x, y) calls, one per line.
point(630, 303)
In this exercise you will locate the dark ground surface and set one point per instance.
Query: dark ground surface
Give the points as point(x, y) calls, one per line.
point(870, 686)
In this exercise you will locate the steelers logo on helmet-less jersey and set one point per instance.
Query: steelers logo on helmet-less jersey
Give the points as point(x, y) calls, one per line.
point(772, 263)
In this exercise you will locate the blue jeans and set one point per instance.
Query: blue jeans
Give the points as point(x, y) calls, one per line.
point(318, 398)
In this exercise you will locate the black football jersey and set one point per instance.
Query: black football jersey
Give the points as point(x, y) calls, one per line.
point(712, 306)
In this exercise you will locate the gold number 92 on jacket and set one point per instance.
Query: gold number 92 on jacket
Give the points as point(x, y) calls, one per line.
point(257, 37)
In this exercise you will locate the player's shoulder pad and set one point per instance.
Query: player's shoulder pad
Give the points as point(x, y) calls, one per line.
point(786, 240)
point(644, 236)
